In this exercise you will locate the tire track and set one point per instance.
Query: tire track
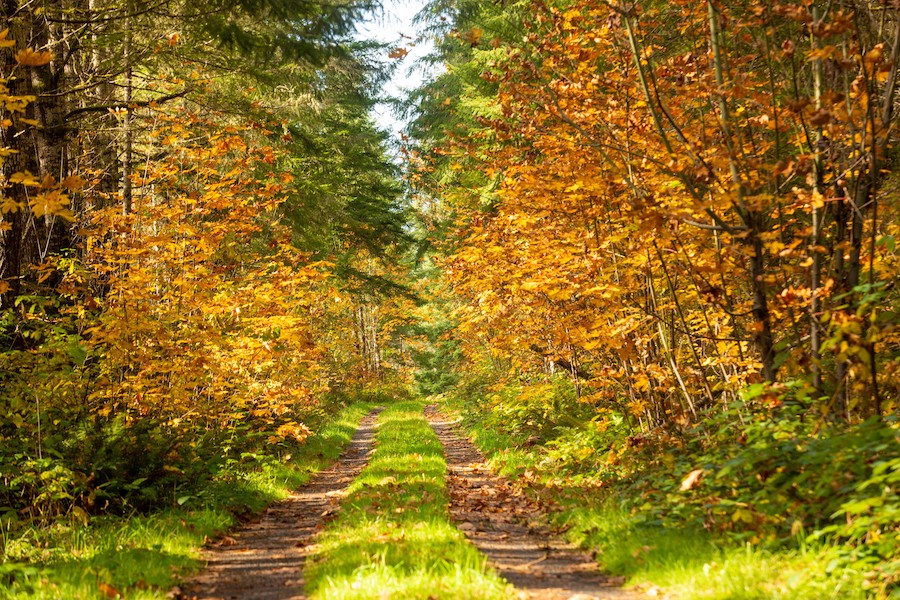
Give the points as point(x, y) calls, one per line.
point(503, 524)
point(263, 559)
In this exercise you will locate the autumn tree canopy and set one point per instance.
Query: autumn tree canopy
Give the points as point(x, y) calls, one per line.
point(676, 200)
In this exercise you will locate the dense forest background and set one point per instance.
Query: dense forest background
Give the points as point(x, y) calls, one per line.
point(651, 245)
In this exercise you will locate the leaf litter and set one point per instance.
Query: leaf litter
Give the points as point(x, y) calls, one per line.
point(509, 527)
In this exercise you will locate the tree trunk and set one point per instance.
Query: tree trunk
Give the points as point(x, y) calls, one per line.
point(16, 138)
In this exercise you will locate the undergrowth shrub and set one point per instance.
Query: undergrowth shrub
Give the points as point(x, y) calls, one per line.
point(764, 471)
point(63, 456)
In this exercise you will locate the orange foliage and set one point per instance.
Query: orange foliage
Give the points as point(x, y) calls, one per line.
point(676, 219)
point(209, 313)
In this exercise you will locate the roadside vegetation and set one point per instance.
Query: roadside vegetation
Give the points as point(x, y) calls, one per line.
point(142, 555)
point(199, 222)
point(666, 278)
point(774, 513)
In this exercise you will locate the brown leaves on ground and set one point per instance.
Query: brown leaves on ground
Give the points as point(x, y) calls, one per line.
point(492, 498)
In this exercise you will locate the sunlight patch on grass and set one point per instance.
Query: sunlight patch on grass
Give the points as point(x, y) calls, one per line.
point(445, 580)
point(393, 537)
point(688, 564)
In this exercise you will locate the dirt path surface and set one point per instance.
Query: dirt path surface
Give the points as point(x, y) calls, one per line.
point(263, 560)
point(505, 526)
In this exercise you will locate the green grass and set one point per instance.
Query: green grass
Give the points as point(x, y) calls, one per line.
point(393, 537)
point(684, 564)
point(690, 564)
point(141, 557)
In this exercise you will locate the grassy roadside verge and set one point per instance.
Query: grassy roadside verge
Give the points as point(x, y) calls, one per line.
point(392, 537)
point(141, 557)
point(683, 563)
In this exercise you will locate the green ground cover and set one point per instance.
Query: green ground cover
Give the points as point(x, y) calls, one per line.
point(629, 509)
point(393, 537)
point(141, 556)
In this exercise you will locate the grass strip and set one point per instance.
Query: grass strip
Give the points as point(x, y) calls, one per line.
point(142, 556)
point(393, 537)
point(683, 563)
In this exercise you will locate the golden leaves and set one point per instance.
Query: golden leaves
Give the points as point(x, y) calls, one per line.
point(624, 226)
point(73, 183)
point(473, 36)
point(9, 205)
point(28, 57)
point(52, 203)
point(197, 314)
point(4, 42)
point(25, 178)
point(292, 430)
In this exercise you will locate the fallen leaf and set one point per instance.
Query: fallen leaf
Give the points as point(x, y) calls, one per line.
point(108, 590)
point(692, 480)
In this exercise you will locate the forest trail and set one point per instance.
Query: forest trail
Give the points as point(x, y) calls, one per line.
point(507, 527)
point(263, 560)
